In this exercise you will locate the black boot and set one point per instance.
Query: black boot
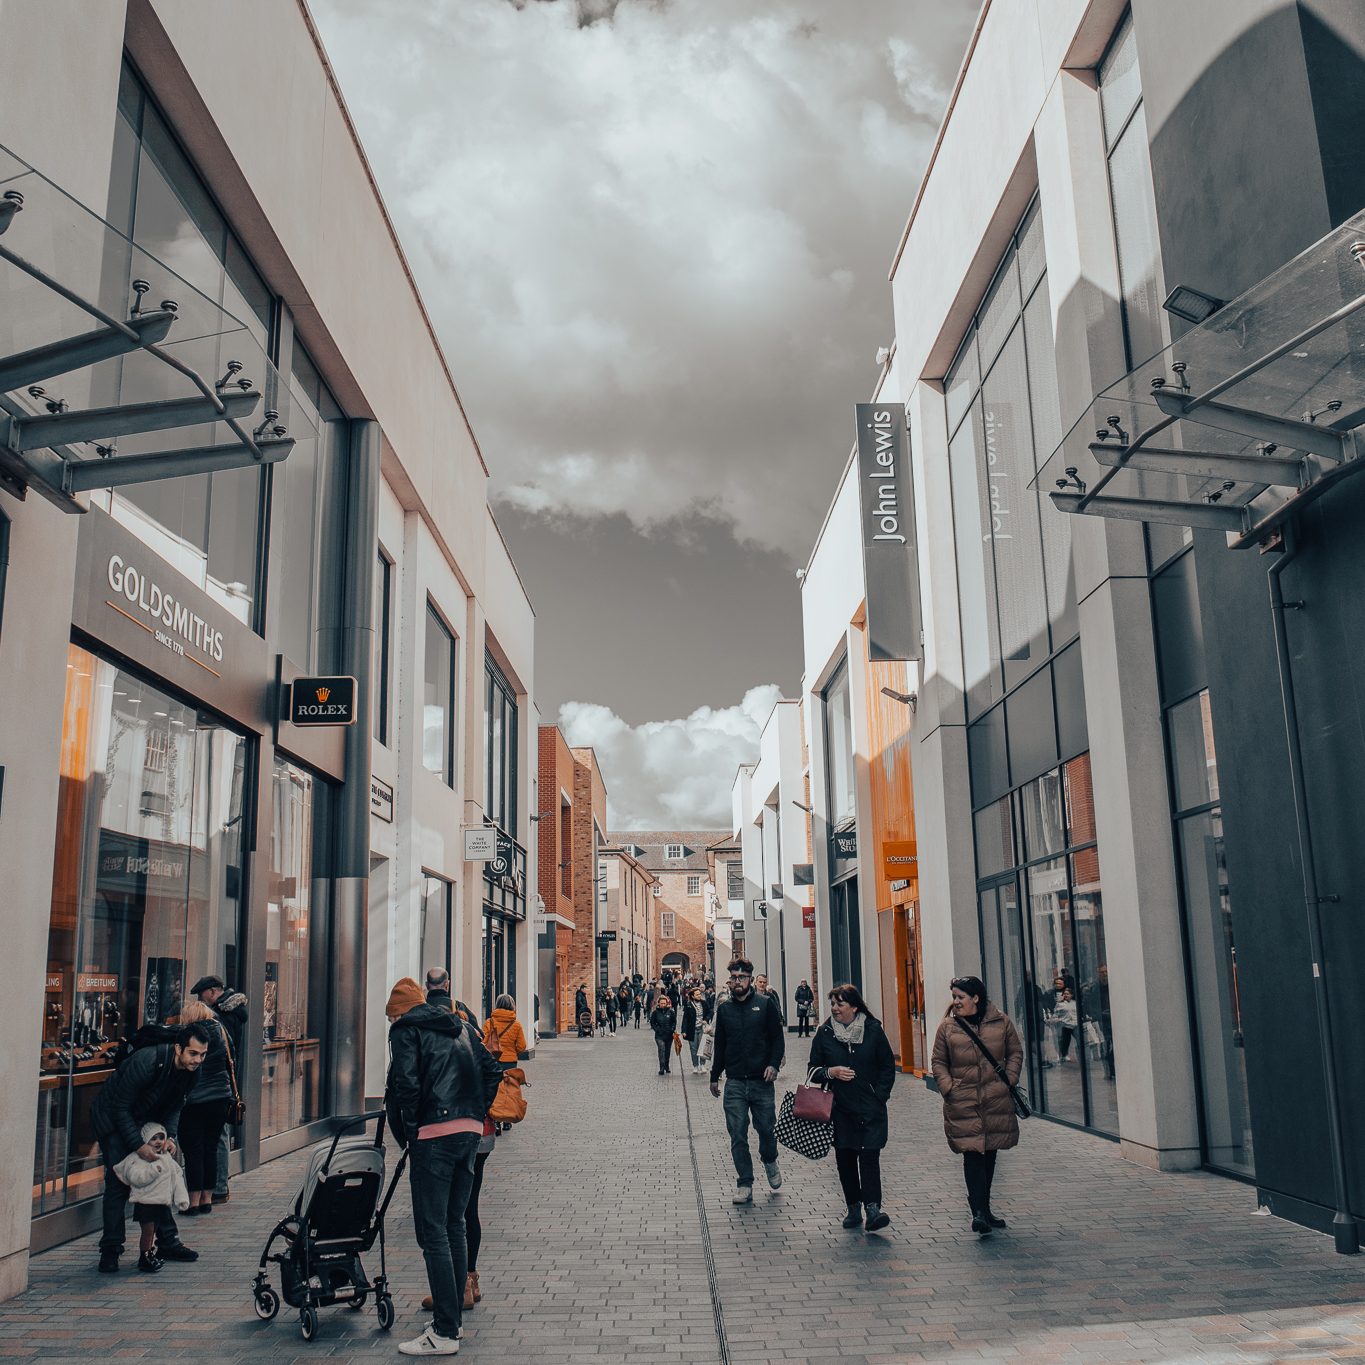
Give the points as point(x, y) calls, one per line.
point(854, 1218)
point(876, 1219)
point(108, 1260)
point(149, 1263)
point(980, 1226)
point(993, 1220)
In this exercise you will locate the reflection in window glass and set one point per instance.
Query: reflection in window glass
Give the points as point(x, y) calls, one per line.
point(994, 839)
point(962, 382)
point(147, 895)
point(1080, 800)
point(1007, 430)
point(500, 736)
point(1194, 764)
point(1218, 1006)
point(975, 565)
point(1062, 1053)
point(295, 962)
point(1044, 827)
point(438, 915)
point(839, 748)
point(438, 703)
point(998, 311)
point(1092, 968)
point(383, 606)
point(1120, 83)
point(1139, 249)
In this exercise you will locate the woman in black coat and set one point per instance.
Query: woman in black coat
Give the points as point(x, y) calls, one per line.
point(852, 1054)
point(664, 1020)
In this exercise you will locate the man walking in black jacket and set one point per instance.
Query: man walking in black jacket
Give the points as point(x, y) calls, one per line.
point(149, 1085)
point(441, 1082)
point(748, 1049)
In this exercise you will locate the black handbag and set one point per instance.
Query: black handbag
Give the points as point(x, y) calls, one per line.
point(1021, 1104)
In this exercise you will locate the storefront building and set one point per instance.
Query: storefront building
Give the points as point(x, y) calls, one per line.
point(1105, 806)
point(174, 821)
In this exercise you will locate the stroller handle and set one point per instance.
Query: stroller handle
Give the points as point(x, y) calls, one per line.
point(346, 1121)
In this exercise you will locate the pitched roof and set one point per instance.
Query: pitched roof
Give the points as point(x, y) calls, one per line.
point(649, 847)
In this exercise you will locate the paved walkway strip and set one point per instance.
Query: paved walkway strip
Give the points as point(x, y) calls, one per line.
point(610, 1239)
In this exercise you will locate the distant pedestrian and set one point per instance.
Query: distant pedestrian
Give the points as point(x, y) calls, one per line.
point(581, 1012)
point(638, 1005)
point(692, 1026)
point(762, 988)
point(748, 1051)
point(230, 1005)
point(708, 1002)
point(664, 1021)
point(439, 992)
point(978, 1108)
point(805, 1003)
point(503, 1034)
point(611, 1011)
point(852, 1053)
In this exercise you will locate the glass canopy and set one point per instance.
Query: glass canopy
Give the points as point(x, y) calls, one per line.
point(1241, 422)
point(115, 370)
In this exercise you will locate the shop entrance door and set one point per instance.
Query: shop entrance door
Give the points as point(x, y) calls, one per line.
point(147, 895)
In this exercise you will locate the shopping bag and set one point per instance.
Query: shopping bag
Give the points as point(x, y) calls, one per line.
point(805, 1137)
point(509, 1104)
point(813, 1102)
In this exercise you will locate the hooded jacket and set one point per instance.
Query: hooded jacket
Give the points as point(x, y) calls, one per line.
point(978, 1111)
point(503, 1036)
point(438, 1070)
point(159, 1181)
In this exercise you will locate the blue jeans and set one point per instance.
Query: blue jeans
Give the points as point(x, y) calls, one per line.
point(442, 1172)
point(743, 1098)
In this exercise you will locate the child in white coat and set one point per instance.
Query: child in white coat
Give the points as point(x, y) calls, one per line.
point(158, 1183)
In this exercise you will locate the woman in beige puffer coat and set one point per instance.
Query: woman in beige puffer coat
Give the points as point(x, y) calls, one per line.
point(978, 1109)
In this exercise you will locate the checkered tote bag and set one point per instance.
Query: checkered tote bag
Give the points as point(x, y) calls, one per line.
point(805, 1137)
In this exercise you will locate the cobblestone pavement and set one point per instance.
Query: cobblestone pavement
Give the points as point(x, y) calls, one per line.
point(594, 1251)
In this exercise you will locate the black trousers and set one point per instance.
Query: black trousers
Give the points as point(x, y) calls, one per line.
point(860, 1174)
point(665, 1051)
point(978, 1168)
point(200, 1128)
point(441, 1171)
point(473, 1228)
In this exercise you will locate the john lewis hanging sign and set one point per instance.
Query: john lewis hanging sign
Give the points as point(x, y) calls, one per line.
point(890, 563)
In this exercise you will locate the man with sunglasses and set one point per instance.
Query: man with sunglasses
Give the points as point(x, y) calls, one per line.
point(748, 1050)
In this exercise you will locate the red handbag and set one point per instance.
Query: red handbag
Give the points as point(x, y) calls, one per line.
point(813, 1102)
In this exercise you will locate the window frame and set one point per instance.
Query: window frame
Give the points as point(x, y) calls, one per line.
point(671, 855)
point(433, 614)
point(694, 885)
point(668, 925)
point(383, 627)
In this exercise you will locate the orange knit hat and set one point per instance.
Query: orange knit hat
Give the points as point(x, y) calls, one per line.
point(406, 995)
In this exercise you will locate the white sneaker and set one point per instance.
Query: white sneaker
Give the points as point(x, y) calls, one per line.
point(430, 1344)
point(774, 1174)
point(744, 1195)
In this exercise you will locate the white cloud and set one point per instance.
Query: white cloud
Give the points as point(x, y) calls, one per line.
point(671, 774)
point(653, 236)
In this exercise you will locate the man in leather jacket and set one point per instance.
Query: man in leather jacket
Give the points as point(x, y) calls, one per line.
point(441, 1082)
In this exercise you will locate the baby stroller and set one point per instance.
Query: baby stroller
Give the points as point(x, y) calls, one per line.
point(337, 1216)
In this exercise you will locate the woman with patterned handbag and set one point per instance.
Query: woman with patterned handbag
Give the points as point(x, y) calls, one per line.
point(851, 1052)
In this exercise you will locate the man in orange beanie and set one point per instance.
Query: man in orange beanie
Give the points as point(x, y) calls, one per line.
point(406, 994)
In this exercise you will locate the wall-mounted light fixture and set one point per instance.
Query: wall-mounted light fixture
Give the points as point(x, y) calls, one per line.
point(801, 805)
point(910, 699)
point(1191, 304)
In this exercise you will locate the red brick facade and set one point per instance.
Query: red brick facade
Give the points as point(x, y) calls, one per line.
point(589, 826)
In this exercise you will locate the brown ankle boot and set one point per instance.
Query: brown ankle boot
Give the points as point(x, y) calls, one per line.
point(469, 1291)
point(478, 1293)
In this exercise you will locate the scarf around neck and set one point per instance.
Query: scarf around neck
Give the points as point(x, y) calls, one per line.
point(850, 1033)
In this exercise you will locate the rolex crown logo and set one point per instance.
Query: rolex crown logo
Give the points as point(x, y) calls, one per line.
point(323, 693)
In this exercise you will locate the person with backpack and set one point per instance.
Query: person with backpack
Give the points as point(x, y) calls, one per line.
point(440, 1085)
point(149, 1085)
point(503, 1035)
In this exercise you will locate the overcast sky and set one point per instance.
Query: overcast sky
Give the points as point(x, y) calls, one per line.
point(654, 237)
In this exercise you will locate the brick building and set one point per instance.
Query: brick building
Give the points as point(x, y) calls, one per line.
point(625, 901)
point(555, 877)
point(682, 867)
point(589, 823)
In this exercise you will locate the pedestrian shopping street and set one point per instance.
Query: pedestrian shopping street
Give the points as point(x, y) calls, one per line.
point(595, 1249)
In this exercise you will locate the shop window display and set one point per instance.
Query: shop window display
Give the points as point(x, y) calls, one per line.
point(147, 895)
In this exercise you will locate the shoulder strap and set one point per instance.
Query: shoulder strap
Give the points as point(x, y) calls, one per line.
point(984, 1050)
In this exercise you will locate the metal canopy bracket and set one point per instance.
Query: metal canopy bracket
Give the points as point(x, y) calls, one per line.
point(38, 449)
point(1204, 514)
point(1259, 426)
point(1266, 469)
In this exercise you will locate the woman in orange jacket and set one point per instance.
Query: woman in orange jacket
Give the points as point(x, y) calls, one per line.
point(502, 1033)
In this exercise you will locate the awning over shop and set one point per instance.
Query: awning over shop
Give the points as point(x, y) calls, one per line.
point(113, 369)
point(1246, 419)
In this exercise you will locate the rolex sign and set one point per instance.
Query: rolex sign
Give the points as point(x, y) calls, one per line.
point(322, 701)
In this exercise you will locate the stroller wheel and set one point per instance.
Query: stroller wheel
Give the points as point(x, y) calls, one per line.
point(385, 1312)
point(308, 1322)
point(267, 1303)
